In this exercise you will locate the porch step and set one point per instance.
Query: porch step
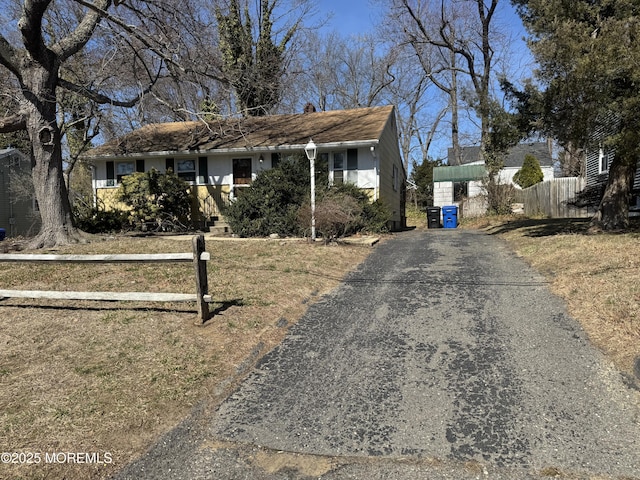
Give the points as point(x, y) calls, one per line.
point(218, 226)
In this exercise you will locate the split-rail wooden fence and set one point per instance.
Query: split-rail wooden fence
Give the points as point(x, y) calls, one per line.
point(198, 258)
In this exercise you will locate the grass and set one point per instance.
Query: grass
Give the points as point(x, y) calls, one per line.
point(597, 274)
point(111, 377)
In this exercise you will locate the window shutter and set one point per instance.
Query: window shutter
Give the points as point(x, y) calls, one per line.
point(203, 170)
point(111, 173)
point(275, 159)
point(170, 165)
point(140, 166)
point(352, 159)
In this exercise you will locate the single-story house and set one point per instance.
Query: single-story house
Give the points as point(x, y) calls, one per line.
point(219, 158)
point(18, 208)
point(458, 182)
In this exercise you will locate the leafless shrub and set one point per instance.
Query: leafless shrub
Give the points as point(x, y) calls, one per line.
point(335, 216)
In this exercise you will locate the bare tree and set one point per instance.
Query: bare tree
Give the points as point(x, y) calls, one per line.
point(131, 46)
point(452, 39)
point(413, 94)
point(336, 72)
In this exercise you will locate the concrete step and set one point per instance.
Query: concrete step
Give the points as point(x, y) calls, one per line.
point(220, 230)
point(218, 226)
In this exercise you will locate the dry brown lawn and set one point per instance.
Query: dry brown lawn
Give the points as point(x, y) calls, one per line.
point(108, 378)
point(597, 274)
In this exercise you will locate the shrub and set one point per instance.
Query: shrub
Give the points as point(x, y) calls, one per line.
point(499, 197)
point(97, 220)
point(278, 201)
point(271, 203)
point(336, 215)
point(375, 216)
point(159, 198)
point(530, 173)
point(343, 210)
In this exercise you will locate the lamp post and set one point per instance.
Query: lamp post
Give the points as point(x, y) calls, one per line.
point(311, 151)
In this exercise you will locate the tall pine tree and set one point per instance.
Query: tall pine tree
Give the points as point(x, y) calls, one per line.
point(588, 53)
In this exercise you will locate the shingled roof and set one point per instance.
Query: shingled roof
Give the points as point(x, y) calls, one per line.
point(332, 127)
point(514, 157)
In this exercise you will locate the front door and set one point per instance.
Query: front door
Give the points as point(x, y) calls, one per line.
point(241, 171)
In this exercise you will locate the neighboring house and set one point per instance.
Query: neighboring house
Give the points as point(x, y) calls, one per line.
point(18, 208)
point(598, 161)
point(220, 158)
point(456, 183)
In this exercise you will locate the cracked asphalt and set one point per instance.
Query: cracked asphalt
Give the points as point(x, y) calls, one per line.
point(443, 356)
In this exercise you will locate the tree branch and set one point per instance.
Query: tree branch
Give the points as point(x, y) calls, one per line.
point(30, 25)
point(75, 41)
point(102, 99)
point(9, 56)
point(13, 123)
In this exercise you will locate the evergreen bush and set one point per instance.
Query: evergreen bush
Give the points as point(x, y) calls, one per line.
point(271, 203)
point(530, 173)
point(160, 199)
point(99, 220)
point(278, 201)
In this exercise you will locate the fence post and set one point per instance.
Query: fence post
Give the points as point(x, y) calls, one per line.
point(202, 283)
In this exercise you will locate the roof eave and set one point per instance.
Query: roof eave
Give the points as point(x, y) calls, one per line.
point(223, 151)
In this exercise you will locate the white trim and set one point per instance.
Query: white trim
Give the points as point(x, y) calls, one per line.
point(602, 156)
point(243, 150)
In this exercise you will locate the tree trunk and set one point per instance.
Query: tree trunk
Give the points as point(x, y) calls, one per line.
point(39, 87)
point(613, 212)
point(455, 122)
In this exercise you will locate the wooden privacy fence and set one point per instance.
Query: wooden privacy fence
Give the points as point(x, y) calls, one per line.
point(198, 258)
point(554, 198)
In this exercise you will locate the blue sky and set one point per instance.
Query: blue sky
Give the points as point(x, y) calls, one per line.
point(349, 16)
point(352, 17)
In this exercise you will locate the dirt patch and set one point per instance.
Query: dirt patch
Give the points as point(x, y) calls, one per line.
point(107, 378)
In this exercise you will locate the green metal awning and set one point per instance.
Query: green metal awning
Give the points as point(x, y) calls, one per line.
point(459, 173)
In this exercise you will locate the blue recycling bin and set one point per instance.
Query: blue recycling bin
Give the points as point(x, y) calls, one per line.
point(450, 216)
point(3, 233)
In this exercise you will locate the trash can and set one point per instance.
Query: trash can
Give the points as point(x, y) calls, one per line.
point(3, 233)
point(433, 217)
point(450, 216)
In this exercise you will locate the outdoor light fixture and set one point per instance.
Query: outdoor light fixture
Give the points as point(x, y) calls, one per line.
point(311, 151)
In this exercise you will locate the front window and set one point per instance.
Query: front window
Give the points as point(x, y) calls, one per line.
point(345, 167)
point(187, 170)
point(123, 169)
point(241, 171)
point(603, 160)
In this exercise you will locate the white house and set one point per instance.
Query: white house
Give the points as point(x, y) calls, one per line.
point(219, 158)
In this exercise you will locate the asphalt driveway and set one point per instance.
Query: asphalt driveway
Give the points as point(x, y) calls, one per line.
point(442, 356)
